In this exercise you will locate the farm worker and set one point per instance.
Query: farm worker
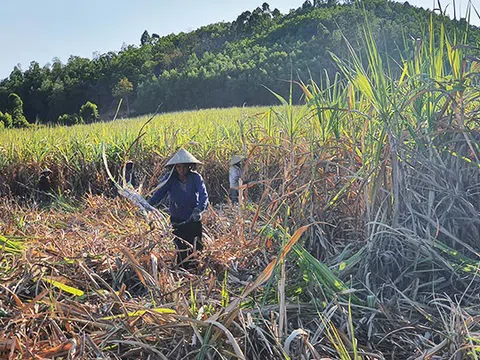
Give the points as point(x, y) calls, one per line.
point(188, 200)
point(44, 184)
point(235, 173)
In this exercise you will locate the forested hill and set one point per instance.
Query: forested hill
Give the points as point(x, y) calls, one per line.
point(219, 65)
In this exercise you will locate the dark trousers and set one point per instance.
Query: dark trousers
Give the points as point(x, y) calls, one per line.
point(188, 239)
point(233, 194)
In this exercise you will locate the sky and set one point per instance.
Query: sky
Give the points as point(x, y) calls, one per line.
point(33, 30)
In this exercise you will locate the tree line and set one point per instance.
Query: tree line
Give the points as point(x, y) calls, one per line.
point(218, 65)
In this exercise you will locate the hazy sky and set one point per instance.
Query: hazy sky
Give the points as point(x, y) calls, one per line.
point(34, 30)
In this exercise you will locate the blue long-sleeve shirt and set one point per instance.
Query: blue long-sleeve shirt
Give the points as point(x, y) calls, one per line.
point(183, 197)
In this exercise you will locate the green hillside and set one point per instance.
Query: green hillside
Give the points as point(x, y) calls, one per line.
point(219, 65)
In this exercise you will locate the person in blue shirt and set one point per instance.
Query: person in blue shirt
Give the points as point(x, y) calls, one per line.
point(188, 200)
point(234, 175)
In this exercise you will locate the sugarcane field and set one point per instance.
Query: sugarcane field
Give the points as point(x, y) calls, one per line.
point(341, 222)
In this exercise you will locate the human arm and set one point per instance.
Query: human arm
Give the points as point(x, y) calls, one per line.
point(234, 176)
point(202, 194)
point(202, 200)
point(162, 191)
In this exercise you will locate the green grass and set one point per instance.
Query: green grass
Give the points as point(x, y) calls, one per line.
point(198, 130)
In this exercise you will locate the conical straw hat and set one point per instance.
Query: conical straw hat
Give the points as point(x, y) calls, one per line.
point(182, 156)
point(236, 159)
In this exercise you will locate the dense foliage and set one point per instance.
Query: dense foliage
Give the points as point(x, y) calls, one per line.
point(5, 120)
point(15, 107)
point(89, 112)
point(219, 65)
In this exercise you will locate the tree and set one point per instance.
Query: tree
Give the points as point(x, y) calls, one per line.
point(16, 109)
point(69, 119)
point(15, 102)
point(89, 112)
point(5, 120)
point(154, 39)
point(266, 8)
point(145, 39)
point(122, 90)
point(307, 4)
point(241, 23)
point(276, 13)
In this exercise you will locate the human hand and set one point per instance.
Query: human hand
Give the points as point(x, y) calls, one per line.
point(196, 215)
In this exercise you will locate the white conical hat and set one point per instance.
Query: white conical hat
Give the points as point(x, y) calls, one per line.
point(236, 159)
point(182, 156)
